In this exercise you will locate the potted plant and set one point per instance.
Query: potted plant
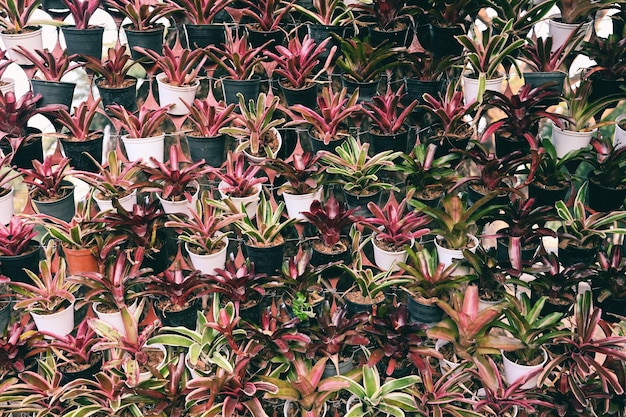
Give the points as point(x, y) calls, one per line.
point(362, 64)
point(552, 179)
point(144, 30)
point(329, 122)
point(255, 127)
point(267, 18)
point(80, 238)
point(302, 177)
point(204, 140)
point(6, 84)
point(50, 298)
point(201, 27)
point(484, 54)
point(455, 221)
point(330, 218)
point(144, 137)
point(240, 183)
point(574, 18)
point(387, 21)
point(178, 80)
point(114, 84)
point(357, 172)
point(115, 180)
point(489, 275)
point(298, 66)
point(264, 241)
point(17, 346)
point(110, 292)
point(609, 73)
point(17, 29)
point(582, 234)
point(15, 135)
point(7, 174)
point(204, 234)
point(430, 281)
point(52, 66)
point(526, 323)
point(579, 126)
point(393, 230)
point(81, 38)
point(239, 60)
point(176, 184)
point(19, 249)
point(607, 188)
point(79, 139)
point(388, 116)
point(429, 177)
point(425, 74)
point(49, 189)
point(607, 283)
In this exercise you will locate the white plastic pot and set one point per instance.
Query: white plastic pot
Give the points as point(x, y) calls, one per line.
point(565, 141)
point(176, 96)
point(250, 203)
point(388, 261)
point(297, 203)
point(448, 256)
point(560, 32)
point(260, 159)
point(470, 87)
point(58, 324)
point(144, 376)
point(514, 371)
point(444, 364)
point(8, 86)
point(180, 207)
point(32, 41)
point(127, 202)
point(207, 264)
point(114, 319)
point(619, 139)
point(7, 207)
point(142, 149)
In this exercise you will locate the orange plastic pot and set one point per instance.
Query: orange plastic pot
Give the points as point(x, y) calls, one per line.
point(80, 260)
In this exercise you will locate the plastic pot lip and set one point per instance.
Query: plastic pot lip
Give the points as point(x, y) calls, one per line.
point(33, 244)
point(574, 132)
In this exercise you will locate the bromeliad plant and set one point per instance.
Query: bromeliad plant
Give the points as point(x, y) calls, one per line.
point(16, 237)
point(239, 180)
point(608, 281)
point(330, 218)
point(207, 117)
point(537, 53)
point(74, 351)
point(82, 11)
point(236, 56)
point(144, 123)
point(16, 14)
point(180, 65)
point(326, 12)
point(174, 289)
point(114, 68)
point(362, 62)
point(51, 65)
point(78, 124)
point(201, 12)
point(142, 15)
point(428, 175)
point(238, 285)
point(47, 180)
point(608, 162)
point(303, 174)
point(387, 113)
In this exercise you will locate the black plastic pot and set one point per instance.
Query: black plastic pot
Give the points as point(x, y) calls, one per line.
point(63, 208)
point(570, 255)
point(54, 5)
point(603, 198)
point(360, 202)
point(318, 145)
point(54, 92)
point(415, 89)
point(502, 252)
point(186, 318)
point(201, 36)
point(423, 312)
point(258, 37)
point(353, 308)
point(146, 38)
point(209, 149)
point(610, 308)
point(603, 87)
point(5, 316)
point(446, 143)
point(124, 96)
point(398, 37)
point(473, 195)
point(252, 313)
point(249, 88)
point(397, 142)
point(86, 42)
point(440, 40)
point(266, 260)
point(306, 96)
point(13, 266)
point(506, 146)
point(320, 33)
point(547, 196)
point(536, 79)
point(367, 89)
point(345, 366)
point(27, 152)
point(88, 373)
point(77, 151)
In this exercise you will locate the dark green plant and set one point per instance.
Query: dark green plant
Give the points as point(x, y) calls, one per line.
point(364, 62)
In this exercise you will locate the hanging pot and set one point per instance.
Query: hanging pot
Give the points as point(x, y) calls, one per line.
point(87, 42)
point(186, 317)
point(160, 352)
point(448, 256)
point(367, 89)
point(31, 39)
point(176, 96)
point(604, 198)
point(397, 37)
point(86, 371)
point(422, 311)
point(54, 92)
point(319, 145)
point(207, 264)
point(125, 96)
point(201, 36)
point(537, 79)
point(5, 315)
point(297, 203)
point(306, 96)
point(565, 141)
point(80, 260)
point(211, 149)
point(323, 255)
point(183, 206)
point(64, 208)
point(267, 260)
point(291, 410)
point(619, 138)
point(114, 319)
point(250, 203)
point(445, 365)
point(359, 202)
point(446, 143)
point(260, 159)
point(251, 312)
point(513, 370)
point(471, 85)
point(248, 88)
point(14, 266)
point(146, 38)
point(77, 150)
point(6, 204)
point(58, 324)
point(394, 142)
point(127, 202)
point(502, 251)
point(144, 148)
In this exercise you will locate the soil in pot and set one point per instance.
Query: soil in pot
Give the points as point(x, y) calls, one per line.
point(358, 303)
point(13, 266)
point(176, 316)
point(603, 198)
point(422, 311)
point(269, 139)
point(547, 195)
point(154, 357)
point(570, 253)
point(73, 371)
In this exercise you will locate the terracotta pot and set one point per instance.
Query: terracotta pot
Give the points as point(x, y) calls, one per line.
point(80, 260)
